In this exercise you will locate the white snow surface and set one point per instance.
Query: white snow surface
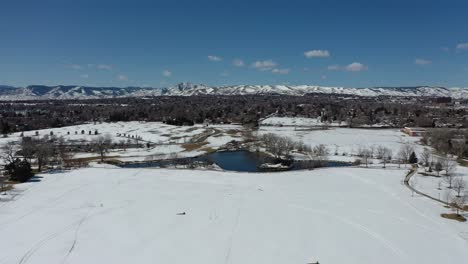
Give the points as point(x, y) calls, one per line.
point(165, 139)
point(298, 121)
point(107, 215)
point(347, 140)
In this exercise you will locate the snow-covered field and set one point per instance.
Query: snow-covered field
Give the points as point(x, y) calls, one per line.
point(298, 121)
point(164, 139)
point(155, 132)
point(167, 140)
point(346, 140)
point(109, 215)
point(437, 187)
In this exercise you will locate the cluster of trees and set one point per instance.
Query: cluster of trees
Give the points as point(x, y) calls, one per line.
point(245, 109)
point(45, 151)
point(16, 169)
point(438, 163)
point(379, 152)
point(447, 141)
point(281, 147)
point(405, 155)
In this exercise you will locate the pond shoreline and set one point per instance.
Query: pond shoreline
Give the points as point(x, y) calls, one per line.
point(237, 160)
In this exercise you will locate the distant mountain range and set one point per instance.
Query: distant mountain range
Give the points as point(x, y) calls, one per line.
point(41, 92)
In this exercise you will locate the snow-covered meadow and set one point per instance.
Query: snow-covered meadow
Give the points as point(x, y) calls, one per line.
point(164, 139)
point(299, 121)
point(110, 215)
point(346, 141)
point(182, 141)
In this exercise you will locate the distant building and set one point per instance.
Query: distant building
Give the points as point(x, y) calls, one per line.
point(414, 131)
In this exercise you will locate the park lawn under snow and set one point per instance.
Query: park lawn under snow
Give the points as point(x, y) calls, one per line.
point(437, 187)
point(346, 140)
point(336, 215)
point(298, 121)
point(166, 140)
point(155, 132)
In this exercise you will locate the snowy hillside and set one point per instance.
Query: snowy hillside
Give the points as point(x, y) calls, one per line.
point(187, 89)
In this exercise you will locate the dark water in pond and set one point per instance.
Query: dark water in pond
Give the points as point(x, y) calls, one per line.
point(240, 160)
point(243, 161)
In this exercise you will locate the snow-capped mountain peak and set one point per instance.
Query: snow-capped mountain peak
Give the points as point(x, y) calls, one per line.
point(41, 92)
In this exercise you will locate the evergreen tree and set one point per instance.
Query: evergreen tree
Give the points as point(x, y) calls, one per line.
point(19, 170)
point(413, 159)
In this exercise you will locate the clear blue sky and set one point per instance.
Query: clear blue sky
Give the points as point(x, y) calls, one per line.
point(160, 43)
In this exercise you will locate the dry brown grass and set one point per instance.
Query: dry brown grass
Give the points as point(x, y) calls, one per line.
point(457, 217)
point(88, 159)
point(232, 132)
point(191, 129)
point(208, 149)
point(193, 146)
point(7, 187)
point(463, 162)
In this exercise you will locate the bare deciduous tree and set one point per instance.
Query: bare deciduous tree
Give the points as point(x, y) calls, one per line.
point(449, 179)
point(458, 146)
point(448, 164)
point(426, 157)
point(64, 153)
point(405, 152)
point(101, 145)
point(43, 152)
point(8, 152)
point(366, 155)
point(2, 184)
point(321, 153)
point(459, 185)
point(385, 154)
point(458, 202)
point(28, 148)
point(278, 146)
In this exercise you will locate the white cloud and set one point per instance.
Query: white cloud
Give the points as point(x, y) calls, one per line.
point(445, 49)
point(280, 71)
point(356, 67)
point(106, 67)
point(214, 58)
point(225, 74)
point(84, 76)
point(265, 65)
point(122, 77)
point(324, 77)
point(167, 73)
point(462, 46)
point(76, 67)
point(422, 62)
point(238, 63)
point(334, 68)
point(317, 54)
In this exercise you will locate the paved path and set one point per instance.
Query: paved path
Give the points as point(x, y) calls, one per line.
point(407, 180)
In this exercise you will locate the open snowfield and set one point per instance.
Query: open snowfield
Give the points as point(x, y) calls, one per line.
point(165, 139)
point(298, 121)
point(347, 140)
point(109, 215)
point(155, 132)
point(436, 186)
